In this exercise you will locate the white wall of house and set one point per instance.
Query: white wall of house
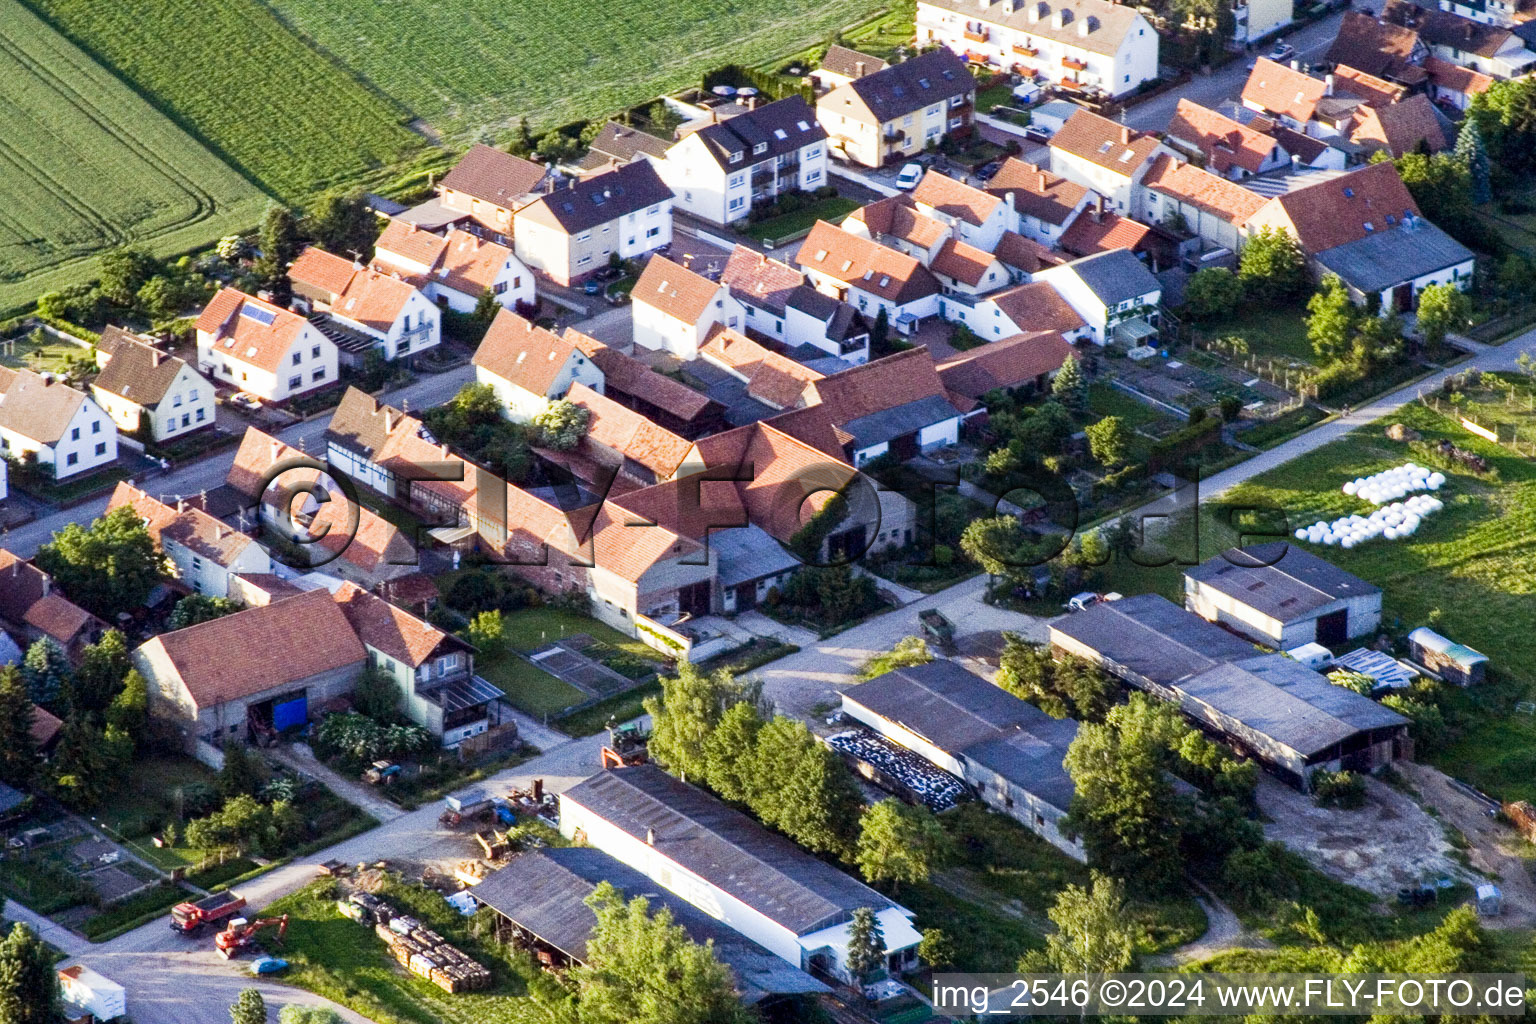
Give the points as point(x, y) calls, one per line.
point(523, 405)
point(800, 328)
point(1511, 61)
point(88, 442)
point(1087, 305)
point(868, 144)
point(869, 304)
point(1202, 223)
point(5, 480)
point(1258, 18)
point(657, 330)
point(513, 284)
point(187, 406)
point(205, 576)
point(1133, 62)
point(983, 236)
point(316, 365)
point(416, 328)
point(363, 470)
point(723, 196)
point(1048, 234)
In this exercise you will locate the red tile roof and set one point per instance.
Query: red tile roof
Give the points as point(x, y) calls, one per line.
point(1335, 212)
point(1371, 45)
point(1037, 192)
point(371, 543)
point(1106, 143)
point(1026, 254)
point(391, 630)
point(1006, 363)
point(262, 342)
point(1090, 234)
point(1037, 306)
point(1202, 190)
point(1225, 143)
point(1375, 91)
point(880, 384)
point(262, 649)
point(962, 262)
point(1455, 78)
point(675, 290)
point(192, 528)
point(258, 453)
point(771, 378)
point(493, 176)
point(58, 617)
point(21, 585)
point(1282, 90)
point(361, 294)
point(759, 281)
point(45, 726)
point(898, 217)
point(954, 198)
point(520, 353)
point(625, 431)
point(631, 376)
point(1399, 127)
point(865, 265)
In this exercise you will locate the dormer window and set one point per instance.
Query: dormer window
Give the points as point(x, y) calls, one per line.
point(736, 157)
point(761, 147)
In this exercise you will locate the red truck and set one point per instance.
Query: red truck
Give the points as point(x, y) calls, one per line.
point(189, 918)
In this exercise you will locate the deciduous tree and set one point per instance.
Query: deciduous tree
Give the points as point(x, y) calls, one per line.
point(642, 968)
point(103, 667)
point(807, 792)
point(730, 755)
point(123, 272)
point(1442, 308)
point(689, 708)
point(1331, 319)
point(900, 843)
point(198, 608)
point(107, 567)
point(562, 424)
point(1272, 265)
point(1212, 293)
point(344, 224)
point(1093, 934)
point(909, 651)
point(1109, 441)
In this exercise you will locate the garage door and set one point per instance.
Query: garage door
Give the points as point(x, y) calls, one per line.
point(290, 714)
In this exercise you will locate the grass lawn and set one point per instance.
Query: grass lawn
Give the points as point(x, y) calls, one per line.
point(1276, 331)
point(342, 960)
point(37, 351)
point(528, 687)
point(153, 793)
point(787, 224)
point(998, 95)
point(1474, 561)
point(1268, 433)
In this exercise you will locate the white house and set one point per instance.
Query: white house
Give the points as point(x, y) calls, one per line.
point(139, 384)
point(573, 232)
point(777, 303)
point(1255, 19)
point(1090, 46)
point(720, 168)
point(1025, 308)
point(262, 349)
point(42, 415)
point(392, 315)
point(1114, 293)
point(1224, 146)
point(204, 551)
point(1486, 48)
point(674, 308)
point(528, 367)
point(975, 217)
point(832, 325)
point(456, 269)
point(714, 857)
point(1179, 194)
point(1045, 203)
point(1107, 157)
point(85, 991)
point(870, 276)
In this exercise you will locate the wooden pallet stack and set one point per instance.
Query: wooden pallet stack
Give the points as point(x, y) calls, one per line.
point(427, 955)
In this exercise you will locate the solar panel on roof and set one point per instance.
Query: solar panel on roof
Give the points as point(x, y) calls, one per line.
point(265, 317)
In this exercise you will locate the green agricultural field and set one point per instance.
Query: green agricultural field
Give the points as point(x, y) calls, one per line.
point(88, 165)
point(231, 72)
point(473, 67)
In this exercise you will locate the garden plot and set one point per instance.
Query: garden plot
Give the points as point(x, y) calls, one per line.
point(1186, 386)
point(565, 661)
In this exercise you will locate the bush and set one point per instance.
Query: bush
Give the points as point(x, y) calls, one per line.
point(1338, 789)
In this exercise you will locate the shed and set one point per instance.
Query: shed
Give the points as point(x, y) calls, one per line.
point(1312, 655)
point(1283, 596)
point(1456, 663)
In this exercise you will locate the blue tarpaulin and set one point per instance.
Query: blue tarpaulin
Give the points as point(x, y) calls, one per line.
point(290, 714)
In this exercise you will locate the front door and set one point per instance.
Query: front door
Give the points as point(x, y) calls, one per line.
point(1402, 298)
point(746, 597)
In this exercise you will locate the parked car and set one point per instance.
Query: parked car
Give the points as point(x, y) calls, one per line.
point(268, 965)
point(1282, 53)
point(909, 176)
point(609, 274)
point(245, 400)
point(1081, 602)
point(986, 170)
point(592, 287)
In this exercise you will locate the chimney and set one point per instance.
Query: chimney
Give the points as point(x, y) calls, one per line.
point(1125, 135)
point(1008, 198)
point(410, 228)
point(1295, 65)
point(277, 446)
point(1038, 9)
point(1009, 6)
point(1098, 209)
point(858, 69)
point(1087, 25)
point(1061, 18)
point(155, 356)
point(1327, 85)
point(1042, 181)
point(650, 833)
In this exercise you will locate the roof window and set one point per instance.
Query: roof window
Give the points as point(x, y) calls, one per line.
point(821, 254)
point(1107, 145)
point(1369, 226)
point(885, 280)
point(802, 126)
point(780, 134)
point(1349, 193)
point(736, 156)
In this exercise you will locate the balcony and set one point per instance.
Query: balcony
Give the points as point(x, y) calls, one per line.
point(1073, 64)
point(980, 35)
point(1072, 86)
point(1026, 51)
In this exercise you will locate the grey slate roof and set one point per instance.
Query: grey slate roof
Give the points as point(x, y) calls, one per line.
point(843, 320)
point(1296, 583)
point(898, 421)
point(542, 892)
point(604, 197)
point(900, 89)
point(1115, 276)
point(748, 553)
point(727, 849)
point(783, 126)
point(1386, 258)
point(964, 715)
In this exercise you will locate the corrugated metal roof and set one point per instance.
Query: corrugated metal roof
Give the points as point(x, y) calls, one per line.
point(1391, 256)
point(1279, 579)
